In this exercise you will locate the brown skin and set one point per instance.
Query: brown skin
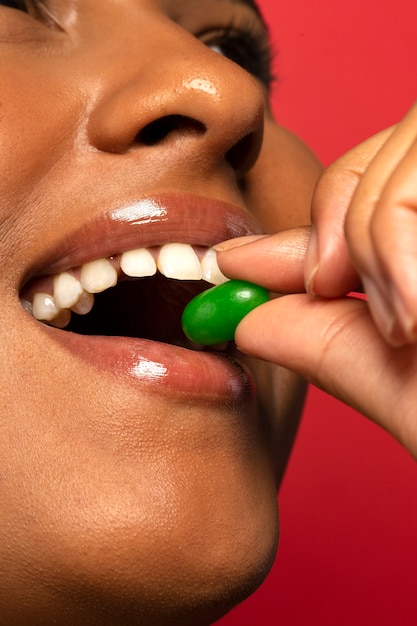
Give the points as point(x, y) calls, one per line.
point(109, 516)
point(364, 233)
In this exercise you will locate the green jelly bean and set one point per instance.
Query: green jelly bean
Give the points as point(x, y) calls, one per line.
point(213, 315)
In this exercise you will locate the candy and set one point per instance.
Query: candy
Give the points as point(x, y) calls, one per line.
point(213, 315)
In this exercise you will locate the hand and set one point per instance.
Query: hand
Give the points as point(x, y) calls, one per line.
point(364, 217)
point(364, 214)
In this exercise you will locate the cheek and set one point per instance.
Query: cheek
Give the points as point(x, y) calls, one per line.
point(281, 184)
point(35, 134)
point(23, 122)
point(34, 130)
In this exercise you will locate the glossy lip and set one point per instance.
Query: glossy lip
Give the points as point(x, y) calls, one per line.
point(207, 375)
point(148, 222)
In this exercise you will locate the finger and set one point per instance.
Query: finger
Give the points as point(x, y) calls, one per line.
point(275, 262)
point(335, 345)
point(394, 237)
point(329, 270)
point(367, 226)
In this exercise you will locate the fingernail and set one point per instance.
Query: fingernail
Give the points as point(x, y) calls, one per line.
point(311, 262)
point(406, 322)
point(236, 243)
point(225, 245)
point(383, 314)
point(396, 335)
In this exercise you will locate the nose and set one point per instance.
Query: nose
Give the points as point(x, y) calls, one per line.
point(172, 94)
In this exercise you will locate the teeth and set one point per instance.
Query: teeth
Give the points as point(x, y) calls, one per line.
point(43, 307)
point(138, 263)
point(175, 260)
point(210, 270)
point(178, 260)
point(26, 305)
point(67, 290)
point(62, 319)
point(84, 304)
point(98, 276)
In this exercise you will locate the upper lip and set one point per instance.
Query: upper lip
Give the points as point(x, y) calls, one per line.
point(144, 222)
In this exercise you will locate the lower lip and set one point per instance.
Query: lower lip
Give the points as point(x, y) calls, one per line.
point(210, 375)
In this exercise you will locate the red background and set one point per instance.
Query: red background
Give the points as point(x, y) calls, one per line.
point(348, 551)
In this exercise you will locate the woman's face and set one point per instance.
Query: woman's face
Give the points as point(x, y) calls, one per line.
point(137, 474)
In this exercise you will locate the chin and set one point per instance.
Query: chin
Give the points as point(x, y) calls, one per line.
point(198, 583)
point(117, 531)
point(107, 563)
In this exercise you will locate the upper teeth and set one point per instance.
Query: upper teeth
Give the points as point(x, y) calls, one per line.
point(97, 276)
point(178, 260)
point(67, 290)
point(72, 290)
point(138, 263)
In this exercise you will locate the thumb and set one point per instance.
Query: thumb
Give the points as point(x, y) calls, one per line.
point(335, 345)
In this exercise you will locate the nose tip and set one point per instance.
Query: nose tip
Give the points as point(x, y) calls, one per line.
point(204, 109)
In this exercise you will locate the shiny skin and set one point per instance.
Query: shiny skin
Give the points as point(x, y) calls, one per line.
point(121, 504)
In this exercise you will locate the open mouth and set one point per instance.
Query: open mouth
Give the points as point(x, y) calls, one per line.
point(109, 296)
point(141, 293)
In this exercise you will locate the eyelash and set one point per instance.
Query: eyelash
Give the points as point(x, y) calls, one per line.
point(35, 8)
point(247, 47)
point(19, 5)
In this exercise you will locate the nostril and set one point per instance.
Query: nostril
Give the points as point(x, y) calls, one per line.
point(243, 154)
point(159, 129)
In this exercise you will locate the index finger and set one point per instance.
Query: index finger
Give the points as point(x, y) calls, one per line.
point(329, 270)
point(275, 262)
